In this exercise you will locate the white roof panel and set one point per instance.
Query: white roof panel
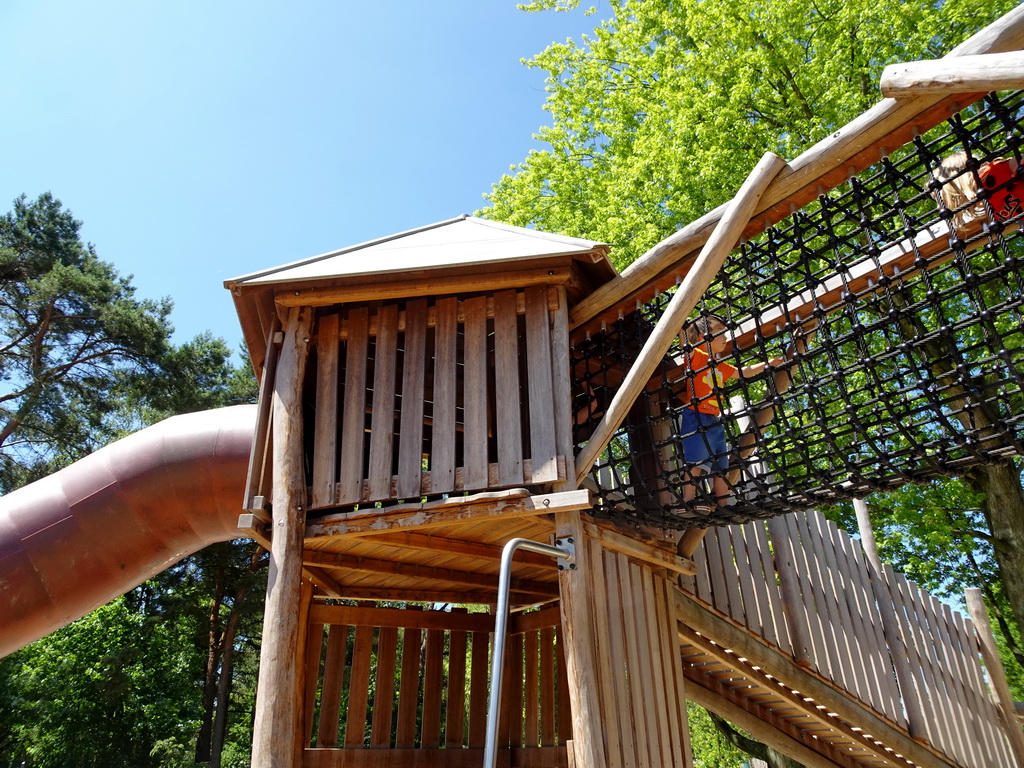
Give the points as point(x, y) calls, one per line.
point(461, 241)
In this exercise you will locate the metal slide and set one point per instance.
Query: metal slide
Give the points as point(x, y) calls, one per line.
point(82, 536)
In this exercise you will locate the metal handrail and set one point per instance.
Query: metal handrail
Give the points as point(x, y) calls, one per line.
point(564, 550)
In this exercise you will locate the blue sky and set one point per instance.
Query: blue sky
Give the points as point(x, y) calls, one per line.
point(198, 141)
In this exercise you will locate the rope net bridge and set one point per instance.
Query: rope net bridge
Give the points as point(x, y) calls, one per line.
point(888, 319)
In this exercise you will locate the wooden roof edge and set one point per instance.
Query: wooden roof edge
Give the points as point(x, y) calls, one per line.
point(889, 124)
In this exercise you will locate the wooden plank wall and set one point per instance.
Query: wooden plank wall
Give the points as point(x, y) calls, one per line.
point(408, 687)
point(804, 588)
point(436, 395)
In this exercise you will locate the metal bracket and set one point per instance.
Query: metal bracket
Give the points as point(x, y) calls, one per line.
point(568, 544)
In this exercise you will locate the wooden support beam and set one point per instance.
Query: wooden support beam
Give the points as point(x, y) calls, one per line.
point(256, 527)
point(816, 698)
point(472, 549)
point(964, 74)
point(771, 733)
point(372, 616)
point(460, 596)
point(449, 576)
point(641, 550)
point(696, 282)
point(451, 511)
point(277, 724)
point(429, 285)
point(996, 673)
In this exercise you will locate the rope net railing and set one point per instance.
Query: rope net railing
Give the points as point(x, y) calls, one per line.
point(873, 338)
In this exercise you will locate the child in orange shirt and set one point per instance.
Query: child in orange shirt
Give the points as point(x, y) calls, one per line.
point(701, 433)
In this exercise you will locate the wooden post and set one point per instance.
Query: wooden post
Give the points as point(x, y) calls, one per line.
point(278, 725)
point(996, 673)
point(890, 628)
point(962, 74)
point(697, 280)
point(579, 632)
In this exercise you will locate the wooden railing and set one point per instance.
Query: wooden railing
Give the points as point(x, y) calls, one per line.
point(415, 683)
point(430, 396)
point(804, 588)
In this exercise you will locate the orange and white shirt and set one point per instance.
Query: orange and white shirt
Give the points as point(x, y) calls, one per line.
point(703, 376)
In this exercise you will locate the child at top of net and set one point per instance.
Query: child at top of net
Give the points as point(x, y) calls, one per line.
point(959, 189)
point(701, 432)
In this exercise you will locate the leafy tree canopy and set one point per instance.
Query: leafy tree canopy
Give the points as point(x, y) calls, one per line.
point(658, 116)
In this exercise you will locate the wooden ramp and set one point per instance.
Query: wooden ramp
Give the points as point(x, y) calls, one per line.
point(787, 632)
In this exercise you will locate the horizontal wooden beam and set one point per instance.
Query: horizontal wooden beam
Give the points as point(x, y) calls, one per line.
point(636, 549)
point(763, 726)
point(450, 576)
point(814, 693)
point(372, 616)
point(472, 549)
point(964, 74)
point(256, 526)
point(432, 285)
point(420, 595)
point(452, 511)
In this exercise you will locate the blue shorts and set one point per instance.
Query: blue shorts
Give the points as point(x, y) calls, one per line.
point(702, 440)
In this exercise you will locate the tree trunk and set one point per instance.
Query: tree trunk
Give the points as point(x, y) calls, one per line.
point(220, 723)
point(752, 747)
point(1004, 510)
point(213, 653)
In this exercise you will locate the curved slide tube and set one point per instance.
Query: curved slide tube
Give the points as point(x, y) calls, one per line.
point(94, 530)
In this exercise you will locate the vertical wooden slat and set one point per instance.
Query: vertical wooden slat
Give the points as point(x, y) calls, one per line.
point(634, 689)
point(701, 559)
point(314, 649)
point(384, 688)
point(359, 687)
point(945, 665)
point(330, 692)
point(716, 572)
point(257, 477)
point(515, 691)
point(408, 689)
point(541, 386)
point(433, 685)
point(658, 693)
point(561, 378)
point(350, 471)
point(410, 440)
point(874, 656)
point(609, 684)
point(531, 690)
point(479, 665)
point(326, 430)
point(840, 637)
point(382, 424)
point(618, 713)
point(745, 579)
point(546, 641)
point(771, 586)
point(906, 621)
point(442, 431)
point(674, 680)
point(653, 694)
point(814, 582)
point(760, 581)
point(507, 402)
point(789, 567)
point(474, 373)
point(455, 713)
point(997, 748)
point(952, 666)
point(564, 714)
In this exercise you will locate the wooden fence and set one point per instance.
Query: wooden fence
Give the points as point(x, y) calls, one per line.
point(804, 588)
point(415, 683)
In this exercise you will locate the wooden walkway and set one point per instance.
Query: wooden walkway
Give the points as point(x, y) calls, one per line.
point(787, 631)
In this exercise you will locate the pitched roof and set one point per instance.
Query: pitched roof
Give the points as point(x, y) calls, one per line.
point(464, 240)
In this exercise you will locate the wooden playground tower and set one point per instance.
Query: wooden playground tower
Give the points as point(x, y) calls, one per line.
point(415, 415)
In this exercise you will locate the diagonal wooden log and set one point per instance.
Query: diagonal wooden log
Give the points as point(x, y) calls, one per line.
point(697, 280)
point(964, 74)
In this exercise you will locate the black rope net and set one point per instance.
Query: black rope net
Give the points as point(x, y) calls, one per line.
point(887, 318)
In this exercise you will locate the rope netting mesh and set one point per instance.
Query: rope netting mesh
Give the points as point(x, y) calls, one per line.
point(887, 316)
